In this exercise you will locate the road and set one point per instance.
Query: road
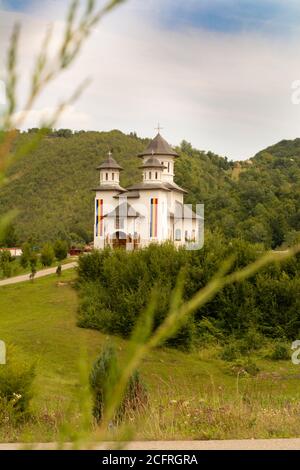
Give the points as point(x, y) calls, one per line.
point(42, 273)
point(247, 444)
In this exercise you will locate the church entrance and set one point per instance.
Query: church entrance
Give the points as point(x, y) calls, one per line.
point(119, 239)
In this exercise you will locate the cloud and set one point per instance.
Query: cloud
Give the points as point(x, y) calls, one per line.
point(229, 92)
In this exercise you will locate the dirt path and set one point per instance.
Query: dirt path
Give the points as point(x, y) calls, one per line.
point(42, 273)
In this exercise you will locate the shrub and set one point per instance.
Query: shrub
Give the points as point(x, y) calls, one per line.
point(26, 255)
point(61, 249)
point(16, 380)
point(116, 286)
point(5, 260)
point(244, 367)
point(230, 352)
point(104, 376)
point(280, 352)
point(47, 255)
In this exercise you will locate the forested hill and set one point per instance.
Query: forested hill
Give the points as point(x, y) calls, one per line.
point(258, 200)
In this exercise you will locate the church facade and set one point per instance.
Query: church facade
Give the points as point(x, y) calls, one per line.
point(151, 211)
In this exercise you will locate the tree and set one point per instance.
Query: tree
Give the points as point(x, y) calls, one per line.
point(103, 378)
point(9, 239)
point(47, 255)
point(60, 249)
point(58, 270)
point(5, 260)
point(26, 254)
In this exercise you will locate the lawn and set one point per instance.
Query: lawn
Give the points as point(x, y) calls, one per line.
point(192, 396)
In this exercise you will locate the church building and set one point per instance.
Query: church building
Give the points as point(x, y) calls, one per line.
point(151, 211)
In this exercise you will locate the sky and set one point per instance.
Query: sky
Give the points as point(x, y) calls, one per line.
point(217, 73)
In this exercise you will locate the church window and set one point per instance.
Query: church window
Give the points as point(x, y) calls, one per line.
point(113, 176)
point(178, 235)
point(150, 175)
point(156, 175)
point(119, 222)
point(106, 176)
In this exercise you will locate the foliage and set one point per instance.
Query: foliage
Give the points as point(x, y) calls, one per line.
point(16, 382)
point(103, 377)
point(60, 249)
point(115, 286)
point(280, 352)
point(5, 263)
point(47, 255)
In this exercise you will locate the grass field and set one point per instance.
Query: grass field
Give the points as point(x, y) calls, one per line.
point(192, 396)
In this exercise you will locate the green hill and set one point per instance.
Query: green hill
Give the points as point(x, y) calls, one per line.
point(51, 187)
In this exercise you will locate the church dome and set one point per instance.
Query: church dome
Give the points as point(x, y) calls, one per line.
point(158, 146)
point(153, 162)
point(109, 164)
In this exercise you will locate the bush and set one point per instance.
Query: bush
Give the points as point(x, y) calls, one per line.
point(61, 249)
point(116, 286)
point(16, 380)
point(26, 255)
point(5, 266)
point(280, 352)
point(230, 352)
point(47, 255)
point(244, 367)
point(103, 378)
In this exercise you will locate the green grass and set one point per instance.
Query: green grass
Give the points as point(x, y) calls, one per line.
point(192, 396)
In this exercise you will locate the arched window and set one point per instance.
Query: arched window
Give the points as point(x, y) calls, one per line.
point(113, 176)
point(150, 175)
point(106, 176)
point(178, 235)
point(156, 175)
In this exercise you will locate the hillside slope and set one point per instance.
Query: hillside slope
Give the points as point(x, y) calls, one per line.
point(51, 187)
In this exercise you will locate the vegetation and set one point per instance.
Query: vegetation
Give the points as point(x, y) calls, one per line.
point(47, 255)
point(103, 377)
point(16, 380)
point(261, 205)
point(116, 286)
point(193, 395)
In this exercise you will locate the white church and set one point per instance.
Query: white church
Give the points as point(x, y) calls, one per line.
point(151, 211)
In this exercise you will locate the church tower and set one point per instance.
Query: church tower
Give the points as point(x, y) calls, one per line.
point(164, 153)
point(110, 173)
point(105, 200)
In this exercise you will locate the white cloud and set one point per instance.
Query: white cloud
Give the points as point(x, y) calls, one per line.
point(227, 93)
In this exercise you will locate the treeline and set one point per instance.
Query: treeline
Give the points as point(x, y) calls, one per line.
point(115, 287)
point(52, 187)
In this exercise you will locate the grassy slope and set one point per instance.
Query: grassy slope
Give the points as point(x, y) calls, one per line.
point(191, 395)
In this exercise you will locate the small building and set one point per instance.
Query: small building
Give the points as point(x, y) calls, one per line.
point(15, 252)
point(147, 212)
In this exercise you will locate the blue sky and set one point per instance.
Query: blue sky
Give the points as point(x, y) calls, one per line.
point(271, 16)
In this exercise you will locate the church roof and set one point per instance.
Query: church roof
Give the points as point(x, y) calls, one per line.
point(124, 210)
point(158, 146)
point(153, 162)
point(110, 187)
point(141, 186)
point(109, 164)
point(173, 186)
point(129, 194)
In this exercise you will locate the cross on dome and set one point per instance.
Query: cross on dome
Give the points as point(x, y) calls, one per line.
point(158, 128)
